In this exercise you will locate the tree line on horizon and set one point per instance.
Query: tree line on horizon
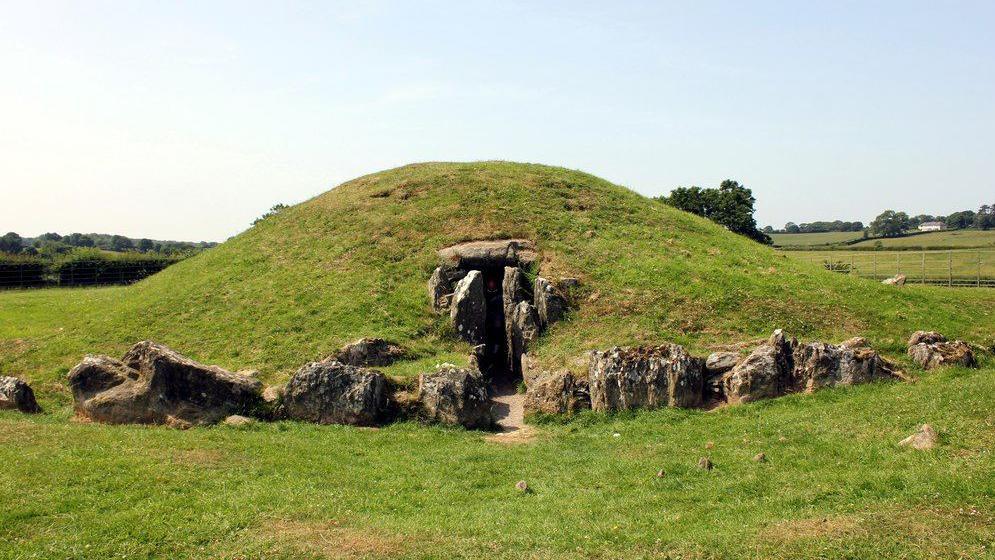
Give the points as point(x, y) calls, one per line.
point(891, 223)
point(51, 245)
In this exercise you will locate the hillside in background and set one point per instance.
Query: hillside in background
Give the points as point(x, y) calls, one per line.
point(354, 262)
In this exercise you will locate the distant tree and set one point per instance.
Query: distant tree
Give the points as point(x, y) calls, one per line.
point(985, 218)
point(274, 210)
point(49, 237)
point(917, 221)
point(145, 245)
point(11, 243)
point(121, 243)
point(890, 223)
point(78, 240)
point(730, 205)
point(960, 220)
point(792, 227)
point(768, 229)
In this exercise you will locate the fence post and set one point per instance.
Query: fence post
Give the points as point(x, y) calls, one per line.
point(924, 267)
point(950, 269)
point(875, 265)
point(852, 269)
point(979, 269)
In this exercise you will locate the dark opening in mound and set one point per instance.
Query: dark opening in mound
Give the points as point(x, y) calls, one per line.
point(483, 284)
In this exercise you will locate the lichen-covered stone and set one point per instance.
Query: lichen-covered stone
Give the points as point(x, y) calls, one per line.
point(645, 377)
point(16, 394)
point(468, 309)
point(455, 396)
point(370, 352)
point(764, 374)
point(558, 392)
point(331, 392)
point(153, 384)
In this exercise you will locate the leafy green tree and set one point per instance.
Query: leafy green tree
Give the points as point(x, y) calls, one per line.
point(985, 218)
point(730, 205)
point(145, 245)
point(11, 243)
point(960, 220)
point(890, 223)
point(792, 227)
point(78, 240)
point(121, 243)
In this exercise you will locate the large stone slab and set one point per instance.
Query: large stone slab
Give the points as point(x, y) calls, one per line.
point(331, 392)
point(764, 374)
point(818, 365)
point(491, 253)
point(153, 384)
point(559, 392)
point(455, 396)
point(645, 377)
point(468, 310)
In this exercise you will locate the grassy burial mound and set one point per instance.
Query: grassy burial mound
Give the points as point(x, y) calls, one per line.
point(355, 261)
point(803, 476)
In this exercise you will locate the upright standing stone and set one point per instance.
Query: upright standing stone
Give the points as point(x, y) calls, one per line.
point(764, 374)
point(514, 290)
point(469, 308)
point(549, 303)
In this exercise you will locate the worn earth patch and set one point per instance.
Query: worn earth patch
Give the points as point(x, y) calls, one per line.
point(331, 539)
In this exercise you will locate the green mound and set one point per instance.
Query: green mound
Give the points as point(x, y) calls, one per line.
point(354, 262)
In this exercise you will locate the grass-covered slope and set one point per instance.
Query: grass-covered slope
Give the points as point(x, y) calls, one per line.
point(354, 262)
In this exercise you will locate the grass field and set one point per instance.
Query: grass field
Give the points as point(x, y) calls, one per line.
point(959, 239)
point(354, 262)
point(957, 267)
point(835, 485)
point(814, 239)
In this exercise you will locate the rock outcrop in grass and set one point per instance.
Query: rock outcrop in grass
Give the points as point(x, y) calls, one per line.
point(15, 394)
point(331, 392)
point(456, 397)
point(931, 349)
point(153, 384)
point(645, 377)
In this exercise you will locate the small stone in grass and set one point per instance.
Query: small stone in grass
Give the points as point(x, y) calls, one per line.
point(522, 486)
point(238, 421)
point(660, 473)
point(925, 438)
point(710, 445)
point(760, 458)
point(705, 463)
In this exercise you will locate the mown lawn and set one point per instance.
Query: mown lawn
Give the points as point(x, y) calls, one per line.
point(835, 485)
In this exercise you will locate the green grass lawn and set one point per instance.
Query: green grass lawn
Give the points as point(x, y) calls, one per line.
point(814, 239)
point(835, 484)
point(958, 239)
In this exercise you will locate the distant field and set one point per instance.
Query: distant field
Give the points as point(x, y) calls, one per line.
point(964, 267)
point(966, 238)
point(813, 239)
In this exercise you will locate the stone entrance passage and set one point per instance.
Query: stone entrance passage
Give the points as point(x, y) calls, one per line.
point(484, 287)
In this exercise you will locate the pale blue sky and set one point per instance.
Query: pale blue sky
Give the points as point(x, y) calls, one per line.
point(186, 120)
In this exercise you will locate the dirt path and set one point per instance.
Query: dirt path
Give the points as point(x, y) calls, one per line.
point(508, 407)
